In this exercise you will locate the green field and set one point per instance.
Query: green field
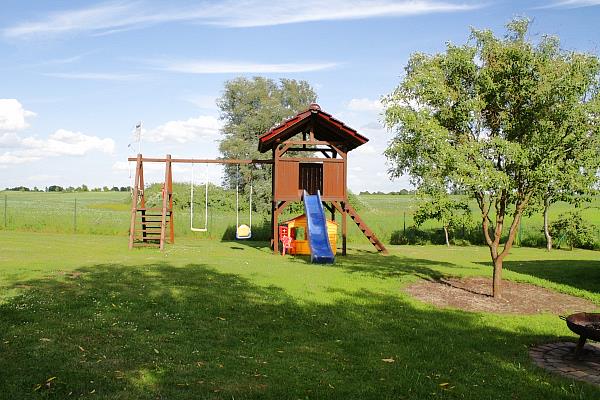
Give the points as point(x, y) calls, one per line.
point(81, 316)
point(108, 213)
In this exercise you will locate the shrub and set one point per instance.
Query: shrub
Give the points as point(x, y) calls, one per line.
point(571, 229)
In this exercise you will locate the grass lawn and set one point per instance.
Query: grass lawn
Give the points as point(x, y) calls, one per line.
point(211, 319)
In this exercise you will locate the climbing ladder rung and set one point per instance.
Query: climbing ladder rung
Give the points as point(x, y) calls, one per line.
point(364, 229)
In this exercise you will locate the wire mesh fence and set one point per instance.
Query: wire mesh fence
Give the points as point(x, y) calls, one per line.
point(109, 213)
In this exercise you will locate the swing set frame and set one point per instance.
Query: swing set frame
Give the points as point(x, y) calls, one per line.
point(148, 226)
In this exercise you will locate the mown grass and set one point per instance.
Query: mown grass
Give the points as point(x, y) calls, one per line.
point(211, 319)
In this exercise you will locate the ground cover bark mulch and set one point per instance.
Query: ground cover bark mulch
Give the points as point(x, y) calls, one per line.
point(475, 294)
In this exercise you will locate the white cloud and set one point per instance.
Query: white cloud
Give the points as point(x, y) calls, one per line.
point(60, 143)
point(365, 104)
point(572, 4)
point(9, 139)
point(13, 117)
point(120, 16)
point(239, 67)
point(184, 131)
point(15, 158)
point(366, 149)
point(289, 12)
point(94, 76)
point(64, 142)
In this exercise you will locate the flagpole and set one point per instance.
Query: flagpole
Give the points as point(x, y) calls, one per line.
point(138, 129)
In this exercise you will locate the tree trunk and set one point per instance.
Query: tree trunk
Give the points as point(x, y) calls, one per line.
point(446, 234)
point(546, 228)
point(497, 281)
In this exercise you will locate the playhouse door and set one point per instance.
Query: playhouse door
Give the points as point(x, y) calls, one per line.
point(311, 177)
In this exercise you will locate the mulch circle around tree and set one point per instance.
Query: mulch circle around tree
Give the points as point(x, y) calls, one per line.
point(475, 294)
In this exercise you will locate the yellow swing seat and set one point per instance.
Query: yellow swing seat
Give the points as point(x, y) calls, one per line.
point(243, 232)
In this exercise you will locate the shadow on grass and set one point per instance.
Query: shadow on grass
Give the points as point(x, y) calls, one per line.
point(581, 274)
point(380, 266)
point(158, 331)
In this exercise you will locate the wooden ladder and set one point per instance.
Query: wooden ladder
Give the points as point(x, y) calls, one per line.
point(364, 228)
point(148, 229)
point(148, 226)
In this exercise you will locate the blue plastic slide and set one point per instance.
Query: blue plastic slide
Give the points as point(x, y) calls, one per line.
point(318, 239)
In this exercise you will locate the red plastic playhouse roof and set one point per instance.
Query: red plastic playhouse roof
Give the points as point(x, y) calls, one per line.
point(326, 128)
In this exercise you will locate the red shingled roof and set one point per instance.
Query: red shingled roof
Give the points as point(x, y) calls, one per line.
point(326, 128)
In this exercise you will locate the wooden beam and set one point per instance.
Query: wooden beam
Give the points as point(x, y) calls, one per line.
point(171, 216)
point(314, 159)
point(202, 161)
point(163, 221)
point(272, 197)
point(313, 142)
point(342, 209)
point(142, 198)
point(134, 200)
point(284, 149)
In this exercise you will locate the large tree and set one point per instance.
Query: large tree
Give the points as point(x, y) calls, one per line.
point(250, 107)
point(491, 118)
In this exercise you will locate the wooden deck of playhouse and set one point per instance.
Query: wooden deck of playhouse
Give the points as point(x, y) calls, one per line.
point(310, 152)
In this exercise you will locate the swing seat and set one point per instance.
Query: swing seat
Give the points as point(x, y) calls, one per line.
point(243, 232)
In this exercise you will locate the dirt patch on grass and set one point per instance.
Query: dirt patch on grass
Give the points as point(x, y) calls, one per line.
point(475, 294)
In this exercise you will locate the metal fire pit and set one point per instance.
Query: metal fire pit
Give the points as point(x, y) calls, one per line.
point(586, 325)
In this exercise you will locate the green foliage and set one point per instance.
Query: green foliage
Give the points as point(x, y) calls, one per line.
point(500, 119)
point(219, 199)
point(413, 235)
point(451, 211)
point(571, 229)
point(250, 107)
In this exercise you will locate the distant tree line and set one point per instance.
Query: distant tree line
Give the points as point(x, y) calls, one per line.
point(401, 192)
point(69, 189)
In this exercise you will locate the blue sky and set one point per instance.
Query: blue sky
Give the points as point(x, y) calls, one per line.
point(76, 76)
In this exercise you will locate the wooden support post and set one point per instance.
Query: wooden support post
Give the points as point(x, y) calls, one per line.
point(163, 221)
point(275, 231)
point(134, 200)
point(344, 228)
point(142, 202)
point(171, 214)
point(274, 221)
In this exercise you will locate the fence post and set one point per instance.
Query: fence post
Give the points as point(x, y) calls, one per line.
point(5, 208)
point(404, 229)
point(75, 217)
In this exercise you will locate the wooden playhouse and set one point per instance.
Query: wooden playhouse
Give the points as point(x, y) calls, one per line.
point(310, 153)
